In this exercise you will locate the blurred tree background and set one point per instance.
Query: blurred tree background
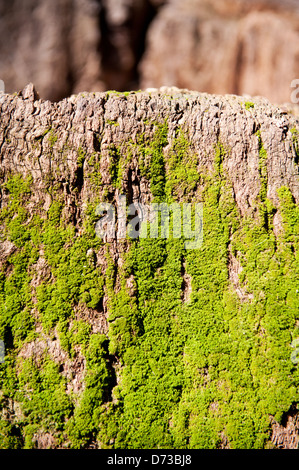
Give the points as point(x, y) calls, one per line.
point(216, 46)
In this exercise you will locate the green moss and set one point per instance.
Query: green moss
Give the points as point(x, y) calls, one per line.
point(182, 172)
point(72, 280)
point(249, 104)
point(81, 157)
point(266, 208)
point(290, 214)
point(118, 93)
point(10, 436)
point(92, 171)
point(52, 137)
point(217, 365)
point(170, 373)
point(262, 168)
point(112, 123)
point(115, 166)
point(84, 422)
point(75, 279)
point(151, 160)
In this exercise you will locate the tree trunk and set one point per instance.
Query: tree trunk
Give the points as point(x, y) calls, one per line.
point(139, 342)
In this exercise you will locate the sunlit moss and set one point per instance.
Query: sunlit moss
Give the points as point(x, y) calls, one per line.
point(169, 373)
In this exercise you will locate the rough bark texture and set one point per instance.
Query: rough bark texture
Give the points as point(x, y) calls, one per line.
point(141, 343)
point(215, 46)
point(83, 121)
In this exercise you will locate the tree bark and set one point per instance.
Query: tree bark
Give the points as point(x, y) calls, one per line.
point(91, 148)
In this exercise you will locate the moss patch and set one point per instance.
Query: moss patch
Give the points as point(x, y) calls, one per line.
point(169, 373)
